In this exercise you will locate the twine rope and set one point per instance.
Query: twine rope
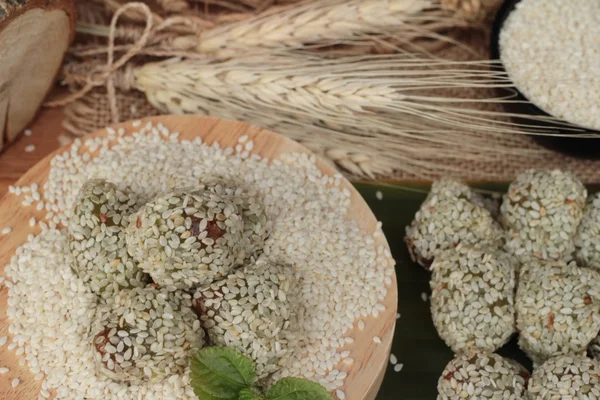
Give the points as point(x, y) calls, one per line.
point(104, 74)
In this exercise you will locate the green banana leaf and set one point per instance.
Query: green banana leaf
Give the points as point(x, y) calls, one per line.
point(416, 343)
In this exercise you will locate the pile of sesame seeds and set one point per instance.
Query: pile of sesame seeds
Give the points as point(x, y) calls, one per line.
point(550, 51)
point(330, 255)
point(472, 298)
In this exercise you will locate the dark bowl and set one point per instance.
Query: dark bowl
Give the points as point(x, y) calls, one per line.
point(571, 143)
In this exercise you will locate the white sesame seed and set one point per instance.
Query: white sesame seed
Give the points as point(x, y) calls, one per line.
point(361, 324)
point(398, 315)
point(377, 339)
point(3, 370)
point(379, 195)
point(32, 222)
point(15, 382)
point(340, 395)
point(424, 296)
point(393, 359)
point(27, 132)
point(3, 340)
point(29, 148)
point(398, 367)
point(6, 230)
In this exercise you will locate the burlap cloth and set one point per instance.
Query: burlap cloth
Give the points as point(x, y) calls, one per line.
point(92, 113)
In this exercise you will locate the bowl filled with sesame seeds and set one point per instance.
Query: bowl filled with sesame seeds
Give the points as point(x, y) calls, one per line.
point(132, 250)
point(521, 313)
point(549, 50)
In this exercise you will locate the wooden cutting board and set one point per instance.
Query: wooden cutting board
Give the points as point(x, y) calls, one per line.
point(370, 358)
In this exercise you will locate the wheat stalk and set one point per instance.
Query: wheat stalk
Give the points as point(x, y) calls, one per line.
point(370, 115)
point(330, 22)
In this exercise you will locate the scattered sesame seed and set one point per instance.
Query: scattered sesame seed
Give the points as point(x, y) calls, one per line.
point(28, 132)
point(341, 395)
point(424, 296)
point(377, 339)
point(398, 315)
point(3, 340)
point(4, 370)
point(136, 123)
point(15, 382)
point(29, 148)
point(398, 367)
point(32, 222)
point(6, 230)
point(361, 324)
point(379, 195)
point(393, 359)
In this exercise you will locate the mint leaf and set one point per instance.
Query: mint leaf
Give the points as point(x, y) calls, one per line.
point(220, 373)
point(297, 389)
point(202, 395)
point(250, 394)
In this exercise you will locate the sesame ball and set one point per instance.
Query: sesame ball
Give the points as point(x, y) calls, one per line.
point(187, 238)
point(558, 311)
point(482, 376)
point(472, 298)
point(565, 377)
point(256, 224)
point(249, 310)
point(451, 187)
point(97, 238)
point(587, 240)
point(145, 335)
point(541, 212)
point(449, 216)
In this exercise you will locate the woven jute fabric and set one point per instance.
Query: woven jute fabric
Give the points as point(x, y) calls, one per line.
point(92, 113)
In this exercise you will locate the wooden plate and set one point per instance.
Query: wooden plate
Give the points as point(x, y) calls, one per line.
point(370, 359)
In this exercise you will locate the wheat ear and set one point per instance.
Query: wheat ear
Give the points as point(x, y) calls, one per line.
point(330, 22)
point(394, 110)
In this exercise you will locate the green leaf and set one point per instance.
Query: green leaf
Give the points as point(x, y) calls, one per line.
point(220, 373)
point(297, 389)
point(250, 394)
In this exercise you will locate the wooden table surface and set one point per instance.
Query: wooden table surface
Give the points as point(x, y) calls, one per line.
point(15, 161)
